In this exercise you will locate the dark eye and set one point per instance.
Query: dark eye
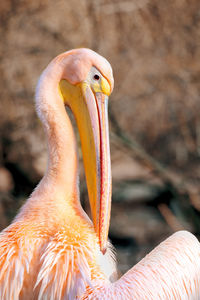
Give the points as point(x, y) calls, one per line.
point(96, 77)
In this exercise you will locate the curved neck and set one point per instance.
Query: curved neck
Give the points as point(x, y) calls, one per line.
point(62, 168)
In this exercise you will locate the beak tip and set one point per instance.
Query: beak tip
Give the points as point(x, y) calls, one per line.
point(103, 250)
point(103, 246)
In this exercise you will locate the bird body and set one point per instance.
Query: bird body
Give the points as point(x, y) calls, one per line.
point(52, 250)
point(170, 272)
point(37, 254)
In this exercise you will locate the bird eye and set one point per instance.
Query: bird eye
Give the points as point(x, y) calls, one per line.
point(96, 77)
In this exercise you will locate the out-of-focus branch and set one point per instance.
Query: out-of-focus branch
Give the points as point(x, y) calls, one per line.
point(177, 182)
point(170, 217)
point(122, 7)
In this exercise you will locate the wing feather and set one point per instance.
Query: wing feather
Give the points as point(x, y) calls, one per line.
point(170, 272)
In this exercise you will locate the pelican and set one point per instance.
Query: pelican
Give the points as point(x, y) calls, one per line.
point(52, 250)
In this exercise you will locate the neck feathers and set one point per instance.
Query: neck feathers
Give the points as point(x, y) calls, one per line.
point(61, 177)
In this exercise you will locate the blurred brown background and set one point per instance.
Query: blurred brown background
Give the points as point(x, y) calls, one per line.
point(154, 48)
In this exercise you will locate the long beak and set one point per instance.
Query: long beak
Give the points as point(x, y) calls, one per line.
point(91, 114)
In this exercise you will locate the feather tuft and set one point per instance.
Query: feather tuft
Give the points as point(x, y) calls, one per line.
point(64, 273)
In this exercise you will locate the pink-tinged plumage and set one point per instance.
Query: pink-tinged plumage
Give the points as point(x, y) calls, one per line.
point(52, 250)
point(170, 272)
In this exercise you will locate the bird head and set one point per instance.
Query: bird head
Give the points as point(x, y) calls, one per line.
point(86, 83)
